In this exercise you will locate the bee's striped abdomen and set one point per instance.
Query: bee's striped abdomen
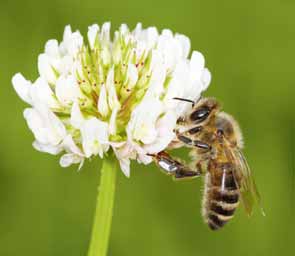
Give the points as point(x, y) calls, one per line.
point(221, 197)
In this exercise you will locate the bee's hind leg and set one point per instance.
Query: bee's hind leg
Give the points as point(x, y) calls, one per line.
point(174, 168)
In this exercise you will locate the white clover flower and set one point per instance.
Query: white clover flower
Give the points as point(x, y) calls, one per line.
point(111, 94)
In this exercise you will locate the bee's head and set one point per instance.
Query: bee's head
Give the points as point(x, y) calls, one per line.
point(203, 110)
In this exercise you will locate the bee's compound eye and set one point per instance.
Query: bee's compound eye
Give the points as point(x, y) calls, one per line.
point(200, 114)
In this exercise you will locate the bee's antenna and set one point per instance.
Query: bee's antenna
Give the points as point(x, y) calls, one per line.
point(186, 100)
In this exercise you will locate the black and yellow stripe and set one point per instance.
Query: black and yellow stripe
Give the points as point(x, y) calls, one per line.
point(221, 198)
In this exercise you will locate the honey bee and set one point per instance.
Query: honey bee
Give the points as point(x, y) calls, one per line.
point(216, 143)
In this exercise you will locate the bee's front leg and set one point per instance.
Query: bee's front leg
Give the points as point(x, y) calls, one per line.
point(173, 167)
point(188, 138)
point(187, 141)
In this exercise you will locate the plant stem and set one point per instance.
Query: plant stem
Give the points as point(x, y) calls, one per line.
point(104, 208)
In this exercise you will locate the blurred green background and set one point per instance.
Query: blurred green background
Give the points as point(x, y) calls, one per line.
point(249, 48)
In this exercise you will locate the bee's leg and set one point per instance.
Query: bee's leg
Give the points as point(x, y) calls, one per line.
point(185, 132)
point(200, 166)
point(185, 172)
point(193, 143)
point(173, 167)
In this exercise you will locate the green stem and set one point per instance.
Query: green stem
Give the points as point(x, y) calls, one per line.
point(104, 208)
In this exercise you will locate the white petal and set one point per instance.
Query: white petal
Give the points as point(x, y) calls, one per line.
point(41, 93)
point(94, 134)
point(141, 126)
point(92, 34)
point(165, 134)
point(152, 36)
point(67, 66)
point(56, 130)
point(106, 56)
point(132, 75)
point(67, 90)
point(140, 50)
point(22, 87)
point(105, 41)
point(105, 32)
point(116, 144)
point(113, 119)
point(111, 90)
point(76, 44)
point(167, 33)
point(124, 29)
point(125, 166)
point(170, 48)
point(47, 148)
point(157, 59)
point(104, 148)
point(144, 159)
point(77, 119)
point(146, 39)
point(69, 159)
point(124, 162)
point(102, 105)
point(156, 83)
point(185, 43)
point(72, 42)
point(81, 164)
point(70, 146)
point(116, 49)
point(179, 86)
point(45, 125)
point(197, 64)
point(130, 149)
point(67, 33)
point(51, 49)
point(206, 78)
point(46, 69)
point(138, 30)
point(36, 125)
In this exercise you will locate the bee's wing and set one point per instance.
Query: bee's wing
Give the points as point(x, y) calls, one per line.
point(248, 189)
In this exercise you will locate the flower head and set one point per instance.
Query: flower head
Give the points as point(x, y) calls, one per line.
point(107, 94)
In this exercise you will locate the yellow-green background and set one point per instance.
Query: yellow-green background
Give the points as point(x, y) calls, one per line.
point(249, 48)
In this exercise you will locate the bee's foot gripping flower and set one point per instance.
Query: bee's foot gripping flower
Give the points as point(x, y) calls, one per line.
point(91, 97)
